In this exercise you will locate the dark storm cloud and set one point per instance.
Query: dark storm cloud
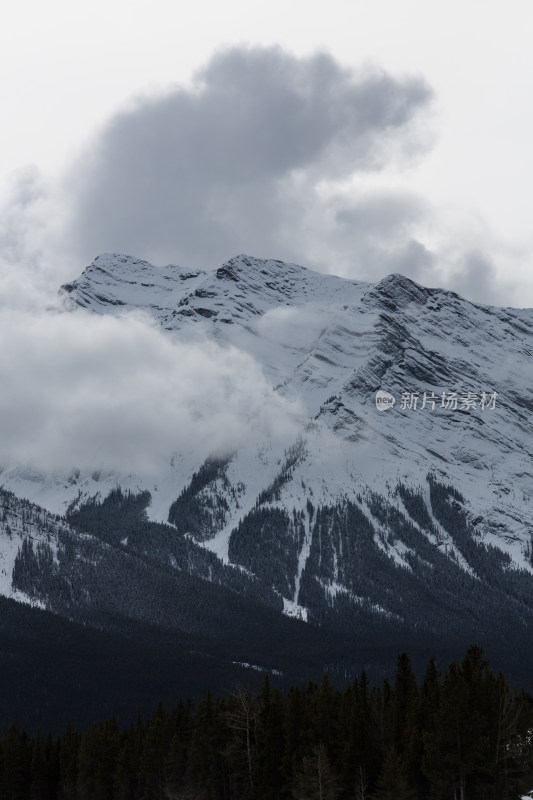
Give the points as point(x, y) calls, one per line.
point(229, 165)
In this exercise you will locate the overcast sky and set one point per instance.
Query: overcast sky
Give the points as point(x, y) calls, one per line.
point(352, 137)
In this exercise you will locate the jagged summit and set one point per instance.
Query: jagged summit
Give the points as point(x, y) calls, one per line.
point(107, 278)
point(241, 289)
point(397, 291)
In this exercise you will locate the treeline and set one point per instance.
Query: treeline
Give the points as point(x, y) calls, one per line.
point(120, 520)
point(463, 735)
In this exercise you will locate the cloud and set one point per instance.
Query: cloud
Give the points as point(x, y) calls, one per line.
point(300, 325)
point(475, 277)
point(20, 229)
point(199, 174)
point(374, 233)
point(233, 163)
point(266, 153)
point(92, 392)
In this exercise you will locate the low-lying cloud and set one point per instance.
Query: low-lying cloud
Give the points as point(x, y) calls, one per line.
point(91, 392)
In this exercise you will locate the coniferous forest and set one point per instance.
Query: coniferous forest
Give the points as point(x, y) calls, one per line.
point(461, 735)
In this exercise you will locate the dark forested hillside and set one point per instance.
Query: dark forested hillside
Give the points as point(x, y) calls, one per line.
point(463, 734)
point(115, 571)
point(53, 670)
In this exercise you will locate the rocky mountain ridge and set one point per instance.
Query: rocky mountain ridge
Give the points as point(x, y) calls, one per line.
point(414, 519)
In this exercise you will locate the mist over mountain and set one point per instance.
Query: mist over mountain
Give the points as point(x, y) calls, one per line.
point(219, 434)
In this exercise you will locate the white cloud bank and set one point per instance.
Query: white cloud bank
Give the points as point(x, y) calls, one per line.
point(91, 392)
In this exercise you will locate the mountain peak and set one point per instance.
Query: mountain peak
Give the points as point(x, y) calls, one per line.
point(244, 265)
point(399, 291)
point(118, 263)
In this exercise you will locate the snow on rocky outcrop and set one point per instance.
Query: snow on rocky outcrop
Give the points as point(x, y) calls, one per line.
point(460, 375)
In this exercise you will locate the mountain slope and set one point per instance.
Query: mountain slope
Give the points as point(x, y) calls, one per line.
point(354, 339)
point(377, 525)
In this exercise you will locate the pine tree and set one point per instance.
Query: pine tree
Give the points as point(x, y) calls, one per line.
point(206, 768)
point(360, 757)
point(151, 775)
point(68, 764)
point(458, 749)
point(298, 733)
point(97, 759)
point(270, 744)
point(422, 722)
point(392, 783)
point(403, 701)
point(15, 766)
point(125, 778)
point(44, 768)
point(240, 718)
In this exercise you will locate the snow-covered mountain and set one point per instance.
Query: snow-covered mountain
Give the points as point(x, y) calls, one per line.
point(365, 511)
point(333, 343)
